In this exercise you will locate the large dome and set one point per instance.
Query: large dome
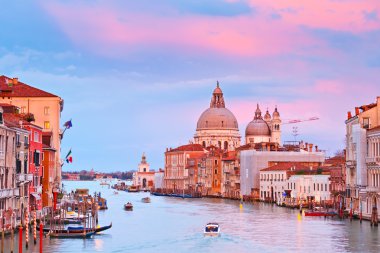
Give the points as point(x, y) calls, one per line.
point(217, 118)
point(257, 127)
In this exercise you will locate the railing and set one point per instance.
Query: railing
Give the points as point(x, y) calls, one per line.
point(18, 144)
point(24, 177)
point(371, 160)
point(351, 163)
point(39, 189)
point(7, 193)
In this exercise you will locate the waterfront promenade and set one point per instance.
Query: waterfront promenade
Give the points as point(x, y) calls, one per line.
point(175, 225)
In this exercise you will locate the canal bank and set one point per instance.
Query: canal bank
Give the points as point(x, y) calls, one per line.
point(176, 225)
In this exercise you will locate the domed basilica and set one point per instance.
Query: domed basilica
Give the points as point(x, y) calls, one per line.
point(217, 126)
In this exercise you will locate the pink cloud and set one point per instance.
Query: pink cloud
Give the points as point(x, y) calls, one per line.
point(104, 28)
point(328, 14)
point(329, 87)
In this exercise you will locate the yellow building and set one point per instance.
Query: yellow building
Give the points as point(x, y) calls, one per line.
point(46, 109)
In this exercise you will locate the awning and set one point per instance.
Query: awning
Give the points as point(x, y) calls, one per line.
point(36, 196)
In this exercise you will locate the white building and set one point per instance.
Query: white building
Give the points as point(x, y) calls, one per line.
point(252, 161)
point(313, 187)
point(143, 178)
point(159, 179)
point(363, 159)
point(217, 126)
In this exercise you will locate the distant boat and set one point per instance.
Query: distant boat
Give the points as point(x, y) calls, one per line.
point(128, 206)
point(133, 188)
point(212, 229)
point(146, 200)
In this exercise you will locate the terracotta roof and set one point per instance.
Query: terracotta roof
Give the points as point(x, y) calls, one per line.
point(188, 147)
point(13, 120)
point(12, 88)
point(336, 160)
point(286, 167)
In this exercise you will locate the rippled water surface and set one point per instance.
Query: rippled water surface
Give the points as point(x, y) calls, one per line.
point(176, 225)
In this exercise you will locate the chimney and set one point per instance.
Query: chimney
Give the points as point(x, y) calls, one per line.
point(306, 146)
point(268, 146)
point(311, 147)
point(356, 110)
point(349, 115)
point(316, 148)
point(15, 80)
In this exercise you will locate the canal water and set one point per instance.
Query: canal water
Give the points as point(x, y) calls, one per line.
point(176, 225)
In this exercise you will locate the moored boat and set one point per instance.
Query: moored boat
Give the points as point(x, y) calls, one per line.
point(146, 200)
point(128, 206)
point(74, 230)
point(320, 213)
point(71, 235)
point(212, 229)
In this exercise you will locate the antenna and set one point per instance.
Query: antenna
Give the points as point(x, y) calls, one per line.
point(295, 133)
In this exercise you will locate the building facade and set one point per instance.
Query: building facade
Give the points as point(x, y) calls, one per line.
point(178, 161)
point(143, 178)
point(9, 192)
point(362, 159)
point(45, 107)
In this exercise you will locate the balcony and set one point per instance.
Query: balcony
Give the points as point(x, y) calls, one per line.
point(372, 161)
point(351, 163)
point(24, 178)
point(7, 193)
point(18, 144)
point(39, 189)
point(26, 145)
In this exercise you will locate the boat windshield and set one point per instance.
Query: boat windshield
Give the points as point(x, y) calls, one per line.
point(211, 229)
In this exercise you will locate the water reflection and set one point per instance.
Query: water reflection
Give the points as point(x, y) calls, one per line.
point(176, 225)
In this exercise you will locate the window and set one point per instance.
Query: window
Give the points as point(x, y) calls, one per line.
point(216, 172)
point(366, 123)
point(46, 110)
point(47, 124)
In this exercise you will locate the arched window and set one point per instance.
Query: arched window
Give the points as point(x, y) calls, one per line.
point(225, 145)
point(220, 144)
point(204, 144)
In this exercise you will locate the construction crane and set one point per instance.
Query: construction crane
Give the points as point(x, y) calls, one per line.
point(293, 121)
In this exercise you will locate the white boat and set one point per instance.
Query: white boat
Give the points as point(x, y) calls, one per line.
point(212, 229)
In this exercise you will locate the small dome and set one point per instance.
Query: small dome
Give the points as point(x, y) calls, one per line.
point(217, 118)
point(267, 116)
point(276, 114)
point(257, 127)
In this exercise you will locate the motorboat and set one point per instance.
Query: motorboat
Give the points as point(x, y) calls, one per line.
point(128, 206)
point(133, 188)
point(212, 229)
point(146, 200)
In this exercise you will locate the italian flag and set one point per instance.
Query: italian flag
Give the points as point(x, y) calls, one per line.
point(69, 158)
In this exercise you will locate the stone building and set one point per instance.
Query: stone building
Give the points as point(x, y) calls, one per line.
point(217, 126)
point(9, 192)
point(363, 159)
point(178, 161)
point(143, 178)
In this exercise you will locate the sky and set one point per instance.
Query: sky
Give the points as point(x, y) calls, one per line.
point(136, 75)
